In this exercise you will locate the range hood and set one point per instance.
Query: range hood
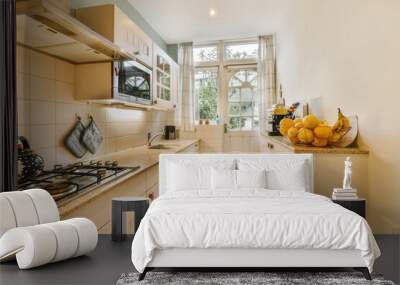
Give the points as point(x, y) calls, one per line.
point(44, 27)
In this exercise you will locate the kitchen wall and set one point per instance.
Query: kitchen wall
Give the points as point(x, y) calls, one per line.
point(47, 111)
point(347, 54)
point(214, 140)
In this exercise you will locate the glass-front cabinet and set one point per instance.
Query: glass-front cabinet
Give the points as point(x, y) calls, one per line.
point(165, 79)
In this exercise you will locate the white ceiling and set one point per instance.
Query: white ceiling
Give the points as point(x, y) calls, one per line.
point(188, 20)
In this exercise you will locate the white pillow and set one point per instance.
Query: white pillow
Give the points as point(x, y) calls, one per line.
point(182, 177)
point(251, 178)
point(281, 174)
point(223, 179)
point(291, 179)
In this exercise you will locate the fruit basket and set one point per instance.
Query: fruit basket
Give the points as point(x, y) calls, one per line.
point(311, 131)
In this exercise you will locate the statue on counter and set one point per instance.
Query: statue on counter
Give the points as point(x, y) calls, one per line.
point(347, 174)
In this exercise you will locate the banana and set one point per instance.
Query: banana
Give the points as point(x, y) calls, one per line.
point(340, 128)
point(342, 122)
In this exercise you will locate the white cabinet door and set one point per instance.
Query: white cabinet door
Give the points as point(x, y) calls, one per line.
point(124, 31)
point(144, 46)
point(165, 79)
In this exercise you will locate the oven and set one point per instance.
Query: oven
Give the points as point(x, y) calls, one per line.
point(132, 82)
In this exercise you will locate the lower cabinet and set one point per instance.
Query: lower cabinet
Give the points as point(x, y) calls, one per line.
point(143, 184)
point(194, 148)
point(99, 209)
point(270, 146)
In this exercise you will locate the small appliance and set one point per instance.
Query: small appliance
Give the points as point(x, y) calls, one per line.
point(132, 82)
point(170, 132)
point(274, 117)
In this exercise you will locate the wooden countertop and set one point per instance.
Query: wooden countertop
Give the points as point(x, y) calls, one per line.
point(139, 156)
point(312, 149)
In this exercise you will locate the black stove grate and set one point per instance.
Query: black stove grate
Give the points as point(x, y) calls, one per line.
point(77, 176)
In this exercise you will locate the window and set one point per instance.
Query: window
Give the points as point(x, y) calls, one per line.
point(206, 90)
point(242, 101)
point(204, 54)
point(243, 50)
point(212, 61)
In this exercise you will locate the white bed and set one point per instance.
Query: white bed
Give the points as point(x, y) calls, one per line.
point(201, 219)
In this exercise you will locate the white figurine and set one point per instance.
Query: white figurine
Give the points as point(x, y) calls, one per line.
point(347, 174)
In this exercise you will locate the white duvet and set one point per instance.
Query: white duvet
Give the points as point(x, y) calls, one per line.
point(250, 219)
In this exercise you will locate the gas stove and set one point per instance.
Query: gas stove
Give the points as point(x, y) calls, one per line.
point(65, 180)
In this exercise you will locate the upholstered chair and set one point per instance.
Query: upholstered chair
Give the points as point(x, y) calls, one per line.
point(31, 231)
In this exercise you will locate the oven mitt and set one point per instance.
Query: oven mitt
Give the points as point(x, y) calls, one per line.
point(73, 141)
point(92, 137)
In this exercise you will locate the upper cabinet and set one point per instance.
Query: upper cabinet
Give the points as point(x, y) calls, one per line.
point(165, 79)
point(109, 21)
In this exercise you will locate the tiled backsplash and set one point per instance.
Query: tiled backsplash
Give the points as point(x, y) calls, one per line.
point(47, 111)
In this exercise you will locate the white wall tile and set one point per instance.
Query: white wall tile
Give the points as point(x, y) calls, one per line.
point(42, 136)
point(42, 65)
point(64, 92)
point(49, 156)
point(23, 59)
point(98, 112)
point(23, 83)
point(67, 112)
point(42, 88)
point(61, 132)
point(42, 112)
point(23, 130)
point(23, 111)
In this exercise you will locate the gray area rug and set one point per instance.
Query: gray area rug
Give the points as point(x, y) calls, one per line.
point(269, 278)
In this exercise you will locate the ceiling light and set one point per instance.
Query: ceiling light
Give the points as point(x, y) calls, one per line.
point(212, 12)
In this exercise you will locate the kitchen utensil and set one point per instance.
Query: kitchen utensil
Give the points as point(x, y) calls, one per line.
point(170, 133)
point(30, 164)
point(92, 136)
point(73, 141)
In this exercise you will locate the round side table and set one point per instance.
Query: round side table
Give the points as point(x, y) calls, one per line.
point(139, 205)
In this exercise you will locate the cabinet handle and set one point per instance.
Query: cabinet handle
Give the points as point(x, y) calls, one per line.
point(270, 146)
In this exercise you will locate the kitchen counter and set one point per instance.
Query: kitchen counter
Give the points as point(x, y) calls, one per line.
point(312, 149)
point(139, 156)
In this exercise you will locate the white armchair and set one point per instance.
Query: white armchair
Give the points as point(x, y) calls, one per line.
point(31, 230)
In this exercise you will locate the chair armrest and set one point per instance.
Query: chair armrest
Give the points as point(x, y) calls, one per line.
point(37, 245)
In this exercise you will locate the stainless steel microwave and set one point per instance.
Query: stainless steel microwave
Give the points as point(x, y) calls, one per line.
point(132, 82)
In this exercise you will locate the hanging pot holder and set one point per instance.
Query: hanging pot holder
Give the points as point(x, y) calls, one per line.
point(73, 141)
point(92, 136)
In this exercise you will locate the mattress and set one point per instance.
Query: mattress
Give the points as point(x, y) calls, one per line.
point(250, 219)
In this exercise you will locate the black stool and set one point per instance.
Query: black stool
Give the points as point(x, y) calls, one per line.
point(139, 205)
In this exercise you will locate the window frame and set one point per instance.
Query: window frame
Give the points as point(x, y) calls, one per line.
point(238, 60)
point(207, 63)
point(196, 103)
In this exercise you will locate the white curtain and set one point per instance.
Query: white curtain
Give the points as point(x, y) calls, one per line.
point(186, 117)
point(266, 83)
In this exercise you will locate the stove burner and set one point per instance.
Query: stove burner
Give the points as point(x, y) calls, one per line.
point(60, 189)
point(64, 180)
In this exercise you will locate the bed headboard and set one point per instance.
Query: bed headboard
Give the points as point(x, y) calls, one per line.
point(166, 159)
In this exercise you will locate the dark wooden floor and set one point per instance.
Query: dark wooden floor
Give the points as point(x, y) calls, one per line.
point(110, 260)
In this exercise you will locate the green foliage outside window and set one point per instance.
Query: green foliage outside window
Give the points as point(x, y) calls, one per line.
point(206, 87)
